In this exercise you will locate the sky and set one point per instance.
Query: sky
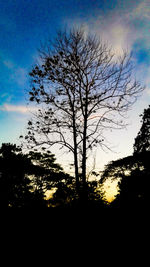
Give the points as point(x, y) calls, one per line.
point(24, 24)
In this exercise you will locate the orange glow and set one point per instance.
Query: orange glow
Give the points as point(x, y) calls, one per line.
point(111, 190)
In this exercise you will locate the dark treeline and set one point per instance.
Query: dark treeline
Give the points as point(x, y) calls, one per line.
point(27, 178)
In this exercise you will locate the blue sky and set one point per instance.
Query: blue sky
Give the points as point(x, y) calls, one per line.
point(25, 23)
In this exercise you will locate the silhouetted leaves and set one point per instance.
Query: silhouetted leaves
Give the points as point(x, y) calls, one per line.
point(25, 178)
point(15, 187)
point(134, 187)
point(142, 141)
point(133, 176)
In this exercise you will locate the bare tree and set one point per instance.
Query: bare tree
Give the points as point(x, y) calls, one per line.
point(83, 89)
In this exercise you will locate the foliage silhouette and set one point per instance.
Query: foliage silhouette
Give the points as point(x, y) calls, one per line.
point(66, 196)
point(142, 141)
point(15, 187)
point(133, 172)
point(25, 178)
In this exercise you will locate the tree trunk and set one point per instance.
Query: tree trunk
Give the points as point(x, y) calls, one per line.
point(84, 156)
point(75, 155)
point(84, 139)
point(84, 192)
point(76, 168)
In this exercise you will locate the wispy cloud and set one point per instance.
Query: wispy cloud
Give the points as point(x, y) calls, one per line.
point(17, 108)
point(142, 10)
point(117, 33)
point(115, 30)
point(121, 28)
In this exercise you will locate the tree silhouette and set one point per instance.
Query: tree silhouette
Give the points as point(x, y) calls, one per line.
point(66, 196)
point(83, 90)
point(134, 188)
point(133, 172)
point(25, 178)
point(142, 141)
point(46, 173)
point(15, 188)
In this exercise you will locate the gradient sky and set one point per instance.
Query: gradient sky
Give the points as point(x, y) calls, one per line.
point(25, 23)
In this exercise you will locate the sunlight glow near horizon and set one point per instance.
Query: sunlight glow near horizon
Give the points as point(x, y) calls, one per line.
point(111, 190)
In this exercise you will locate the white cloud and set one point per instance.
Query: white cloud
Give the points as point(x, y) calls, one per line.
point(114, 30)
point(119, 28)
point(138, 19)
point(117, 35)
point(17, 108)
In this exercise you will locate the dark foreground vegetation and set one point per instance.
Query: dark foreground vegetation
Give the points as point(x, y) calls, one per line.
point(133, 172)
point(35, 180)
point(26, 181)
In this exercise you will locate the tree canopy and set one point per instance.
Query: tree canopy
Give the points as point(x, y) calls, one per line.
point(26, 178)
point(133, 172)
point(142, 141)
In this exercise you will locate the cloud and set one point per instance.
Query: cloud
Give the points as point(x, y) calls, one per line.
point(142, 10)
point(120, 27)
point(124, 29)
point(115, 30)
point(138, 19)
point(17, 108)
point(118, 36)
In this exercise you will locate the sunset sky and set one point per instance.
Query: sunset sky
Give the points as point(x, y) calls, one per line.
point(125, 24)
